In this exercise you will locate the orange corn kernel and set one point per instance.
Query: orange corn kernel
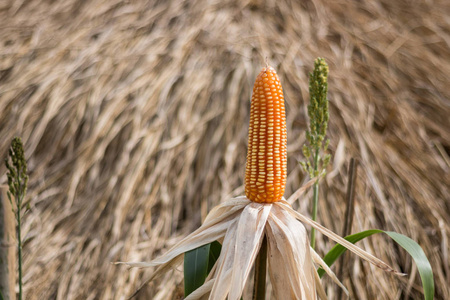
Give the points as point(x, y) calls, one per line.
point(265, 173)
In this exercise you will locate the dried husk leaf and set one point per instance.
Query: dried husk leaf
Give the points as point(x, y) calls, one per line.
point(214, 228)
point(225, 264)
point(355, 249)
point(320, 289)
point(248, 242)
point(318, 260)
point(290, 261)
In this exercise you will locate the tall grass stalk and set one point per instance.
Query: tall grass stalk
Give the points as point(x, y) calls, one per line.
point(17, 182)
point(316, 144)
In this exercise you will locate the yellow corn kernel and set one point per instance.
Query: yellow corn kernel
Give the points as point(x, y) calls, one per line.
point(265, 173)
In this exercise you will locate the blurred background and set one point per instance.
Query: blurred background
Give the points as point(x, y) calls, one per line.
point(134, 115)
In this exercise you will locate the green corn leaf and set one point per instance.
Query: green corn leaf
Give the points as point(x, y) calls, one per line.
point(195, 268)
point(197, 265)
point(423, 265)
point(338, 249)
point(214, 252)
point(416, 252)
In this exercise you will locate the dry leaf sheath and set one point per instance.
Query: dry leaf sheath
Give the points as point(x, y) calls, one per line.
point(241, 223)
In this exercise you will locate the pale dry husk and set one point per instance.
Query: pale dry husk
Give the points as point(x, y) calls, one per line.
point(240, 226)
point(134, 116)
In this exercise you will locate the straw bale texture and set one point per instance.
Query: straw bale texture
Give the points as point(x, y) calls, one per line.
point(134, 115)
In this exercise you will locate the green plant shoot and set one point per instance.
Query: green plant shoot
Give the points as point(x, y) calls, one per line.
point(17, 182)
point(316, 147)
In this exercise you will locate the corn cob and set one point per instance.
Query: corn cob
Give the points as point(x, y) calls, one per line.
point(265, 173)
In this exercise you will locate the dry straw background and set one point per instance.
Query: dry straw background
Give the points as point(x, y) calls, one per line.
point(135, 114)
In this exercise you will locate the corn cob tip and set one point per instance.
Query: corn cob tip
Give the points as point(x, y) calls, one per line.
point(265, 175)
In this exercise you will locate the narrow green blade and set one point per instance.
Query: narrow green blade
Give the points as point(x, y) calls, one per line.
point(195, 268)
point(416, 252)
point(197, 265)
point(423, 265)
point(338, 249)
point(214, 252)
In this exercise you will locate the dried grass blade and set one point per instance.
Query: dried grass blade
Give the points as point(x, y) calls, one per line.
point(248, 241)
point(318, 260)
point(301, 190)
point(355, 249)
point(288, 237)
